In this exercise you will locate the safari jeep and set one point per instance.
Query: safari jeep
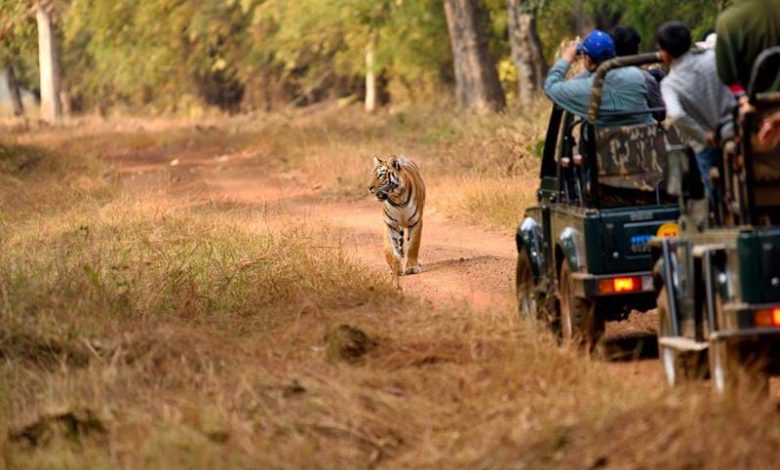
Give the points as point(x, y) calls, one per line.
point(719, 281)
point(583, 251)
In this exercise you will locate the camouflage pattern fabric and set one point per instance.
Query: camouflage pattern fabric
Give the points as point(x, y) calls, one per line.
point(632, 157)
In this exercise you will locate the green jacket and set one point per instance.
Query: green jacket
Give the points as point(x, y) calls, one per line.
point(744, 30)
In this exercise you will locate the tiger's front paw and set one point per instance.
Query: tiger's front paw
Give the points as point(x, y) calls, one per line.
point(416, 269)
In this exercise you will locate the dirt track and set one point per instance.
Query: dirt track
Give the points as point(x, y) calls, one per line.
point(462, 264)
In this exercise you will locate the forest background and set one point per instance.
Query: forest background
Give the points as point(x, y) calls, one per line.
point(190, 57)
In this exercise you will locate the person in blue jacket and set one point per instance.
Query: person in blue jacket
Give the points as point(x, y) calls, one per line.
point(625, 89)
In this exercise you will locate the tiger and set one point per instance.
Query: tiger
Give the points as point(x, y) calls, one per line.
point(397, 184)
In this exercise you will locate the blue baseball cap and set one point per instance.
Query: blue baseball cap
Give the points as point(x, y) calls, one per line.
point(598, 45)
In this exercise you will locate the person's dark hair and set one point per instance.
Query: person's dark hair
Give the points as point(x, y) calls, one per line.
point(658, 74)
point(703, 36)
point(675, 38)
point(627, 40)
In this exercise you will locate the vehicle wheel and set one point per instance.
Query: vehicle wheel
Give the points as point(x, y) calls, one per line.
point(679, 366)
point(527, 298)
point(579, 323)
point(731, 368)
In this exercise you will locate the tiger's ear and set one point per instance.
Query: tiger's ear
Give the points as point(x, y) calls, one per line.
point(377, 161)
point(395, 162)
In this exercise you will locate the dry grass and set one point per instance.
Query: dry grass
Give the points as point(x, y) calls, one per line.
point(448, 147)
point(491, 201)
point(144, 334)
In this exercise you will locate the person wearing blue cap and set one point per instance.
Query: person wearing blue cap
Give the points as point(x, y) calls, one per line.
point(625, 89)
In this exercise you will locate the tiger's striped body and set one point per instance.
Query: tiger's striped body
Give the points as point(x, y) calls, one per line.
point(398, 185)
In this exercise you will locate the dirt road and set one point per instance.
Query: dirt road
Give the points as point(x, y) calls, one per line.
point(462, 264)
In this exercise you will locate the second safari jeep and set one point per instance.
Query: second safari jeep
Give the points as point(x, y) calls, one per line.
point(583, 251)
point(719, 280)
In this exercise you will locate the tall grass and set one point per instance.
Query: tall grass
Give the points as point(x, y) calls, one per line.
point(499, 202)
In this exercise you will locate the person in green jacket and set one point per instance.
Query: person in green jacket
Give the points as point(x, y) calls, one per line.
point(744, 30)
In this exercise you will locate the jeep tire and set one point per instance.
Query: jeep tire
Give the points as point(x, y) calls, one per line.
point(527, 297)
point(580, 324)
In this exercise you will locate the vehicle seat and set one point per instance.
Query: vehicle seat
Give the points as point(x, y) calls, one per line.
point(762, 163)
point(631, 157)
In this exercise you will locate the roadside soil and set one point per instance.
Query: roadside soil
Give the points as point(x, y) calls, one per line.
point(463, 264)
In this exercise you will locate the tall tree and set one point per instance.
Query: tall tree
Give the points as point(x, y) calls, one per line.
point(476, 79)
point(13, 89)
point(526, 47)
point(372, 16)
point(48, 56)
point(370, 101)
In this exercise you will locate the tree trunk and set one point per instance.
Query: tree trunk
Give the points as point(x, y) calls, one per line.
point(476, 79)
point(526, 49)
point(51, 108)
point(370, 78)
point(13, 89)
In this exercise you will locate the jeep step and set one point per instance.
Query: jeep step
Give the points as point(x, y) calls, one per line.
point(682, 344)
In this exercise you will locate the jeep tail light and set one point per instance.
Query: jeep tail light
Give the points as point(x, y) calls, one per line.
point(767, 317)
point(620, 285)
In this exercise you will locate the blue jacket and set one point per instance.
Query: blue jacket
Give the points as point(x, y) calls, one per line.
point(625, 89)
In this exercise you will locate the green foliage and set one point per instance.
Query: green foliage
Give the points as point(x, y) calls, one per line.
point(182, 55)
point(646, 17)
point(319, 43)
point(169, 52)
point(414, 45)
point(558, 18)
point(18, 37)
point(155, 52)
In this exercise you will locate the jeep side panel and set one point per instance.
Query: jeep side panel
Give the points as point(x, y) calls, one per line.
point(621, 241)
point(758, 253)
point(567, 227)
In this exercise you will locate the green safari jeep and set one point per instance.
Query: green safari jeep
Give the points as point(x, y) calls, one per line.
point(719, 280)
point(583, 251)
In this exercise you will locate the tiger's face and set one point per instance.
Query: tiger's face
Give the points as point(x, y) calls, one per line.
point(384, 179)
